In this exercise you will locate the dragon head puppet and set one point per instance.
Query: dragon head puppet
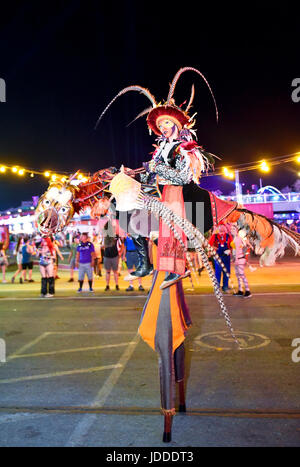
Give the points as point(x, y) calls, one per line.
point(55, 208)
point(63, 199)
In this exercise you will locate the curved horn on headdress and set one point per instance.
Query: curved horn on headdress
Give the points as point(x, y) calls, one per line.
point(123, 91)
point(191, 99)
point(176, 77)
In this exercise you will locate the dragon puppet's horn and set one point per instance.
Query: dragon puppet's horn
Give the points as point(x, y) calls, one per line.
point(176, 78)
point(140, 89)
point(74, 175)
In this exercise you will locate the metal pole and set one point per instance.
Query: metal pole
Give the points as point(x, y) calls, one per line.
point(238, 187)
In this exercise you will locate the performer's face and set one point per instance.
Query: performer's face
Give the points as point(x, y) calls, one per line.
point(168, 128)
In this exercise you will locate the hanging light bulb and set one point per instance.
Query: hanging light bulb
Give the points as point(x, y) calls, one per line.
point(264, 167)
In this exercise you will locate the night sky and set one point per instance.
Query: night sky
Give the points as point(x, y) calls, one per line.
point(64, 61)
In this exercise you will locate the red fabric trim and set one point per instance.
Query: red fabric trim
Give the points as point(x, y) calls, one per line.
point(171, 256)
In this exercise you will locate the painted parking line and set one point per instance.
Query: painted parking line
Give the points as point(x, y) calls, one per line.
point(30, 344)
point(27, 346)
point(86, 423)
point(78, 349)
point(59, 373)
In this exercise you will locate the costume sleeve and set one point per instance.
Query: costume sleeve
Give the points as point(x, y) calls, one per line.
point(180, 175)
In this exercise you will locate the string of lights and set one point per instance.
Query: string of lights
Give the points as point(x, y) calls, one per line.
point(229, 171)
point(262, 165)
point(51, 175)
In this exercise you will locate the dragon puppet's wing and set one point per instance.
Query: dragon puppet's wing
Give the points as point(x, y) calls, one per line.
point(268, 238)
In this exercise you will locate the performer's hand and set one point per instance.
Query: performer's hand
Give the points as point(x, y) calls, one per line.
point(151, 165)
point(227, 252)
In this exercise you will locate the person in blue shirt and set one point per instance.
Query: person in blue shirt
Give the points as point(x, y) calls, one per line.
point(27, 261)
point(132, 261)
point(85, 257)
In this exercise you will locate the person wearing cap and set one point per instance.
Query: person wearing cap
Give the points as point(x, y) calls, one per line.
point(85, 257)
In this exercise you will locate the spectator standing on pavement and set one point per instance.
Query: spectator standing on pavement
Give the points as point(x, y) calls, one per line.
point(132, 260)
point(240, 253)
point(72, 257)
point(18, 253)
point(85, 257)
point(27, 261)
point(3, 262)
point(221, 241)
point(47, 256)
point(111, 259)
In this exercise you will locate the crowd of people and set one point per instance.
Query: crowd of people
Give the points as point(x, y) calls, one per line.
point(86, 254)
point(89, 254)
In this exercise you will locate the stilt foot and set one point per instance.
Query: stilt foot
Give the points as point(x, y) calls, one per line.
point(167, 428)
point(167, 437)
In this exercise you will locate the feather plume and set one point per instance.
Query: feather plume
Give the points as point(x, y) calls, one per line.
point(140, 89)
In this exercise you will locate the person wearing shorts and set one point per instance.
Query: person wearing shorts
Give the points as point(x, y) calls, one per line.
point(132, 261)
point(27, 262)
point(47, 255)
point(111, 260)
point(85, 257)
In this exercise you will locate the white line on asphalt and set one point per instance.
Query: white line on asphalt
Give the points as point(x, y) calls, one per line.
point(80, 349)
point(27, 346)
point(59, 373)
point(86, 423)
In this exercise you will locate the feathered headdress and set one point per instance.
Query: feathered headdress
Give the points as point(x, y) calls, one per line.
point(167, 110)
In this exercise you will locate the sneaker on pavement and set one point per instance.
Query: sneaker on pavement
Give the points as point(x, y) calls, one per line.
point(106, 288)
point(238, 294)
point(129, 289)
point(117, 287)
point(91, 289)
point(141, 288)
point(71, 280)
point(247, 294)
point(79, 290)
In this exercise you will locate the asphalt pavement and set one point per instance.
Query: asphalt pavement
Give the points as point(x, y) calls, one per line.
point(78, 374)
